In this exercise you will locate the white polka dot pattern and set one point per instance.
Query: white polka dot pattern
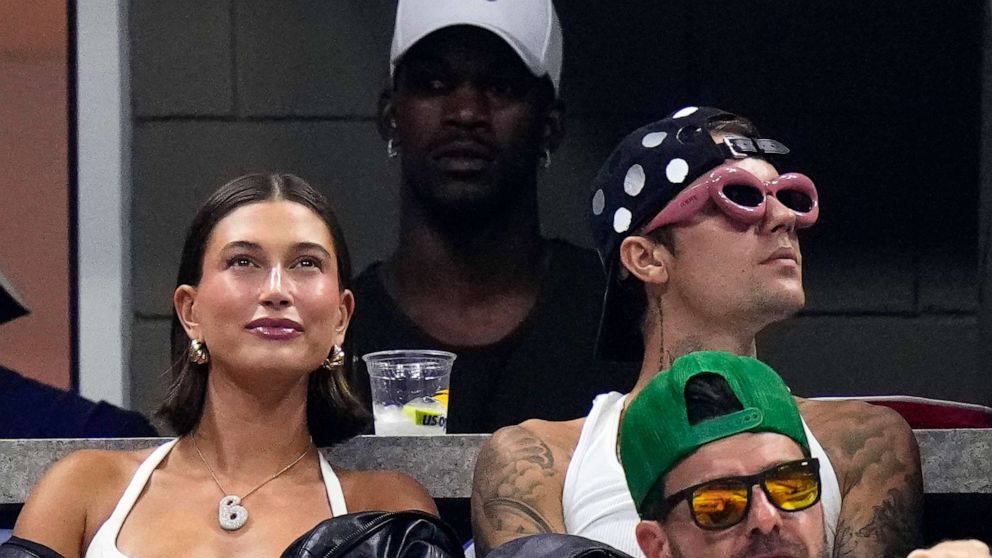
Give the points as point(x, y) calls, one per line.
point(654, 139)
point(598, 202)
point(621, 220)
point(676, 170)
point(685, 112)
point(633, 182)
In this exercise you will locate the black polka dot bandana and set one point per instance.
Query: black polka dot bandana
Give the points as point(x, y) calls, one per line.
point(649, 168)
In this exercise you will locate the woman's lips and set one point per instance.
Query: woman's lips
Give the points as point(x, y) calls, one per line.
point(275, 328)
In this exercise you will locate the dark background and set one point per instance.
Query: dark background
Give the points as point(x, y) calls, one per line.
point(881, 103)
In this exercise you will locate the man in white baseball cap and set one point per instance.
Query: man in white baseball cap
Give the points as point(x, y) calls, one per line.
point(472, 116)
point(530, 27)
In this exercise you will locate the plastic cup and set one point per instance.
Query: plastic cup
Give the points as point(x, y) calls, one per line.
point(409, 391)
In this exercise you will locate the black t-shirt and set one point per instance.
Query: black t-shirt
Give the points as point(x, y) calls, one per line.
point(31, 409)
point(543, 369)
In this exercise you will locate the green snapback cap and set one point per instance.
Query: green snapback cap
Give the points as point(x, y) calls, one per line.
point(655, 434)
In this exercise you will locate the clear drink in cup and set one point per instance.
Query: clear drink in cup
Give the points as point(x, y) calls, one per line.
point(409, 391)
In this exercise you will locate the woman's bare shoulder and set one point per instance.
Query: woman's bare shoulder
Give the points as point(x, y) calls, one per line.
point(74, 495)
point(384, 490)
point(88, 473)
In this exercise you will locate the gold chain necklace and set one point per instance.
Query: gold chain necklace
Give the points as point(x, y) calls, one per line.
point(230, 513)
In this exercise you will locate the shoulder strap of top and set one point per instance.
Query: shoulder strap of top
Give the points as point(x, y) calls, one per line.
point(135, 487)
point(335, 494)
point(831, 498)
point(603, 409)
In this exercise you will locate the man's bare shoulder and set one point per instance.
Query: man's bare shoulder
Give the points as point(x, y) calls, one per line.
point(849, 420)
point(549, 444)
point(877, 461)
point(518, 481)
point(561, 436)
point(855, 434)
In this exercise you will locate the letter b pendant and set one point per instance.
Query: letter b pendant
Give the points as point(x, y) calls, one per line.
point(232, 515)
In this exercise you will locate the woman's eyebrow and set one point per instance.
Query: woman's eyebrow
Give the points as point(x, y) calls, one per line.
point(255, 247)
point(312, 246)
point(243, 245)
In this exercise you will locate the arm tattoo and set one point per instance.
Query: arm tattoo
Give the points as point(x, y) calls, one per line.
point(882, 506)
point(843, 543)
point(514, 481)
point(893, 523)
point(519, 513)
point(892, 530)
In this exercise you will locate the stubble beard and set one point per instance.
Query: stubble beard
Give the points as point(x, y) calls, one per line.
point(764, 544)
point(775, 305)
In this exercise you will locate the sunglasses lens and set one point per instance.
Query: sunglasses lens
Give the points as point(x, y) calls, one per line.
point(720, 504)
point(794, 487)
point(800, 202)
point(744, 195)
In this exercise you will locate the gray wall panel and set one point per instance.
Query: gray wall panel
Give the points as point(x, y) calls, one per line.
point(625, 61)
point(181, 58)
point(876, 355)
point(149, 365)
point(857, 279)
point(948, 279)
point(312, 58)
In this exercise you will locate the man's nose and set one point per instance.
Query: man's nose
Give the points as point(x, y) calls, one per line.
point(763, 515)
point(467, 105)
point(777, 216)
point(275, 289)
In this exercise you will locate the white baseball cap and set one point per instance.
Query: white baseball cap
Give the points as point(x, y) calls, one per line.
point(530, 27)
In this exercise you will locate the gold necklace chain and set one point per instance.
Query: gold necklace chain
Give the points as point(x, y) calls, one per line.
point(265, 482)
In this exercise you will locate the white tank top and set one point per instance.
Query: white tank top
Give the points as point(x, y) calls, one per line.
point(104, 543)
point(597, 504)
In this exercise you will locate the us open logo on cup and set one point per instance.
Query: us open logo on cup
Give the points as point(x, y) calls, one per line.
point(435, 413)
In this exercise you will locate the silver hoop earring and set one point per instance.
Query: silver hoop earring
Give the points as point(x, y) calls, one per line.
point(336, 361)
point(546, 159)
point(198, 353)
point(391, 150)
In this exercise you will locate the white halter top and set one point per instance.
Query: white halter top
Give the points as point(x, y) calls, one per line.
point(104, 543)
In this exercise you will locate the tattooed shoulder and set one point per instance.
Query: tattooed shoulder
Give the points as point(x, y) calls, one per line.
point(875, 455)
point(516, 488)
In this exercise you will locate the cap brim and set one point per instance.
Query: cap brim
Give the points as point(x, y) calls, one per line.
point(619, 336)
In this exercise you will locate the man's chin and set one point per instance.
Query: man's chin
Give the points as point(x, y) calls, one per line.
point(779, 304)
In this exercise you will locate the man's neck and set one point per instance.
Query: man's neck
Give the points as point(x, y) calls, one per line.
point(671, 334)
point(467, 286)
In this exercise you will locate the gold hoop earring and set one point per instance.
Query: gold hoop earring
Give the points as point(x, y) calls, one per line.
point(198, 353)
point(391, 150)
point(546, 159)
point(334, 362)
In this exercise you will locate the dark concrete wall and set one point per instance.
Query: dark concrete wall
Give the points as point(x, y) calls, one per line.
point(880, 102)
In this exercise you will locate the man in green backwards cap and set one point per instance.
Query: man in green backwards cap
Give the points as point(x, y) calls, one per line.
point(718, 463)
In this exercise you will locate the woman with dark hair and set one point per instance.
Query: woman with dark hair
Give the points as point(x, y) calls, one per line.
point(261, 309)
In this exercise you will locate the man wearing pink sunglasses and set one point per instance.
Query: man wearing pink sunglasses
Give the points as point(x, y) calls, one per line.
point(698, 234)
